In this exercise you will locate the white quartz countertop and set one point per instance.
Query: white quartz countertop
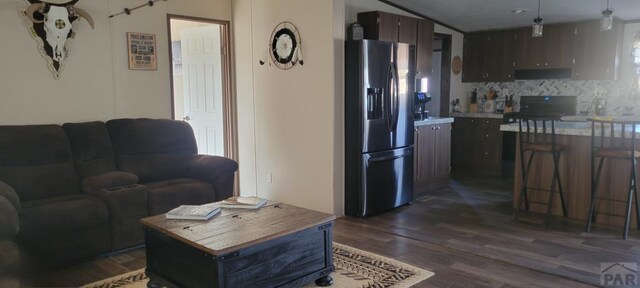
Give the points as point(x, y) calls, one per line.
point(476, 115)
point(433, 121)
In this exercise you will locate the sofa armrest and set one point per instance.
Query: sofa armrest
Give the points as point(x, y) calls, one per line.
point(108, 180)
point(9, 210)
point(127, 205)
point(218, 171)
point(9, 221)
point(10, 194)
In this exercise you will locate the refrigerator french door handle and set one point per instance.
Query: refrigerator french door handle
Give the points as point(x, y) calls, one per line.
point(396, 98)
point(389, 97)
point(393, 91)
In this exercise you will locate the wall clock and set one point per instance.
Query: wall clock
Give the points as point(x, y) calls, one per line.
point(456, 65)
point(285, 46)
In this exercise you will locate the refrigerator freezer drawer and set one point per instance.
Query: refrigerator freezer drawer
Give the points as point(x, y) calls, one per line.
point(387, 181)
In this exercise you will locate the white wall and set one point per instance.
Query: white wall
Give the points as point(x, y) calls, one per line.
point(96, 83)
point(287, 119)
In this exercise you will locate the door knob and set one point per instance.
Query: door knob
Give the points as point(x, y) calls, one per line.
point(186, 118)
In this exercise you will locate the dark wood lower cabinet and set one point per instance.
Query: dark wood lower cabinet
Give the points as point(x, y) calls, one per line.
point(477, 145)
point(432, 157)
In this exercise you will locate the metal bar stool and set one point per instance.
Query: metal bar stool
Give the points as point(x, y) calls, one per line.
point(539, 141)
point(617, 140)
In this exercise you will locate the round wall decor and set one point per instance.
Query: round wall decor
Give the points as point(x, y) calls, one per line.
point(456, 65)
point(285, 47)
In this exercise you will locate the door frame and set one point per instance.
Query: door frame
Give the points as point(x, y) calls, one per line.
point(445, 73)
point(229, 115)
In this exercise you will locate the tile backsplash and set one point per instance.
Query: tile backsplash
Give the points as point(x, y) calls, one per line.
point(620, 100)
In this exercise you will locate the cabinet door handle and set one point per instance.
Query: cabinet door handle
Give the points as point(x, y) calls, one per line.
point(488, 121)
point(486, 153)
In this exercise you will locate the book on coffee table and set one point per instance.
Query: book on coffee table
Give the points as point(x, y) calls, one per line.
point(193, 212)
point(242, 202)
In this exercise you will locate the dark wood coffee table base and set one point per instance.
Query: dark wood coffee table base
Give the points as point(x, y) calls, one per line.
point(291, 260)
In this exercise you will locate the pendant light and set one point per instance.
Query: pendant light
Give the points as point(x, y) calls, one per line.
point(537, 24)
point(606, 23)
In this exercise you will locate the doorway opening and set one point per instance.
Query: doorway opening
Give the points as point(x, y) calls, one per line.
point(201, 82)
point(440, 78)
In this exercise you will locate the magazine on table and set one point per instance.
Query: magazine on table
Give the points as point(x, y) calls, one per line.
point(242, 202)
point(193, 212)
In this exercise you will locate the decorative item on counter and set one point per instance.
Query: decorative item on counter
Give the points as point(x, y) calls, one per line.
point(473, 106)
point(508, 104)
point(489, 103)
point(500, 106)
point(600, 106)
point(456, 105)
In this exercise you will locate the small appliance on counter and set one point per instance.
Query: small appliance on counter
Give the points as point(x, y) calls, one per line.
point(421, 99)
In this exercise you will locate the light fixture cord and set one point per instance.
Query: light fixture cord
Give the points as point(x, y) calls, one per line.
point(607, 4)
point(539, 7)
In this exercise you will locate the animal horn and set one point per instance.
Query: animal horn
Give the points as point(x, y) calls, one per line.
point(84, 15)
point(33, 8)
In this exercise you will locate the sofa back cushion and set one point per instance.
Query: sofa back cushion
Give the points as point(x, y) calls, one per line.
point(153, 149)
point(36, 161)
point(91, 146)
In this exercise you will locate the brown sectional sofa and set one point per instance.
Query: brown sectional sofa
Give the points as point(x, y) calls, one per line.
point(79, 190)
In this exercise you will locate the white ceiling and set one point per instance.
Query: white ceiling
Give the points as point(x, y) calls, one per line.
point(473, 15)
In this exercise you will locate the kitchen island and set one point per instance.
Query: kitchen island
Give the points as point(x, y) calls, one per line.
point(575, 175)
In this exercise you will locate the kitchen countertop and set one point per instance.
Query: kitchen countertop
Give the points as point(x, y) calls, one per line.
point(476, 115)
point(433, 121)
point(571, 125)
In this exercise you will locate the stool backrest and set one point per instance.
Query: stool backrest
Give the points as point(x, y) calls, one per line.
point(616, 133)
point(537, 130)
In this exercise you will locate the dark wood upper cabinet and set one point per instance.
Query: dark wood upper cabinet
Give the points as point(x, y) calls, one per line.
point(407, 30)
point(597, 53)
point(591, 54)
point(389, 27)
point(474, 57)
point(400, 29)
point(558, 46)
point(379, 26)
point(424, 47)
point(489, 56)
point(507, 58)
point(529, 50)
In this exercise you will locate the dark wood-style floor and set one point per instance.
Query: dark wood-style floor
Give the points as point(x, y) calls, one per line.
point(464, 233)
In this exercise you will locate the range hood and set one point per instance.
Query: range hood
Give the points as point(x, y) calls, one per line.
point(534, 74)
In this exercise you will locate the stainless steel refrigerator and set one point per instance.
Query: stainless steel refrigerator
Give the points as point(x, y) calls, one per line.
point(379, 86)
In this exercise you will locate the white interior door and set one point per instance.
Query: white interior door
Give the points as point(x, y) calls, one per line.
point(202, 87)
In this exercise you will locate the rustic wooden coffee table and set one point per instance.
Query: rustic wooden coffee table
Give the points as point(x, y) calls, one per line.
point(278, 245)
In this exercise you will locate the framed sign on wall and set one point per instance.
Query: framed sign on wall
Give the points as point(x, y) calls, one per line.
point(142, 51)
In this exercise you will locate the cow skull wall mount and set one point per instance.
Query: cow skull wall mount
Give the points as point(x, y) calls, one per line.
point(51, 25)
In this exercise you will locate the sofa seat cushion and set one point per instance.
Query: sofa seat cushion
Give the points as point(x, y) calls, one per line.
point(57, 215)
point(166, 195)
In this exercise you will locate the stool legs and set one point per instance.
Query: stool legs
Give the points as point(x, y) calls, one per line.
point(595, 180)
point(523, 190)
point(633, 191)
point(555, 181)
point(557, 171)
point(552, 190)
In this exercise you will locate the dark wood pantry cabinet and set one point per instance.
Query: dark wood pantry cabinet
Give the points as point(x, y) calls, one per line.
point(432, 156)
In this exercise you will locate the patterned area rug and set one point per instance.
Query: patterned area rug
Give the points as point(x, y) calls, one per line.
point(354, 269)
